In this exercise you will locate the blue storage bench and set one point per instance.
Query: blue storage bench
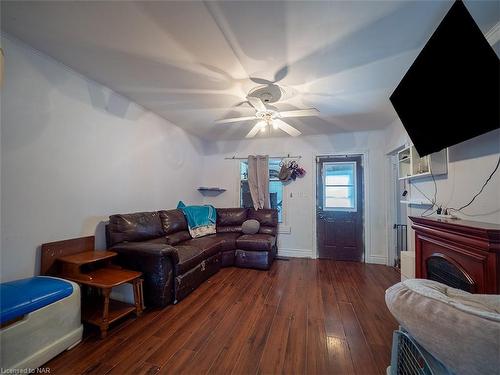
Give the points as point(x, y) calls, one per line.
point(21, 297)
point(40, 318)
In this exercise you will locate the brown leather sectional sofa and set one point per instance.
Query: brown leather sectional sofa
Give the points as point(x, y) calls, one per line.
point(174, 264)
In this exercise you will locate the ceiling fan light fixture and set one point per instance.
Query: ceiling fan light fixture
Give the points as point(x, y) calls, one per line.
point(267, 117)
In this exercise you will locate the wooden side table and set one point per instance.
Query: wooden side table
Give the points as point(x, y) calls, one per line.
point(93, 269)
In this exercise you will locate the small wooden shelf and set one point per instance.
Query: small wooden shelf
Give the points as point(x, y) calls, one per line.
point(412, 165)
point(87, 257)
point(94, 270)
point(92, 311)
point(105, 277)
point(202, 188)
point(211, 191)
point(416, 203)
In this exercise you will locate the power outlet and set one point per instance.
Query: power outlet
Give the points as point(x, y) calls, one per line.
point(299, 194)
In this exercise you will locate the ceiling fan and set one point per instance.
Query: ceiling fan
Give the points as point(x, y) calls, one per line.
point(268, 117)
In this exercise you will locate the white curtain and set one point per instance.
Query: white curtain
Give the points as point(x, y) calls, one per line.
point(258, 180)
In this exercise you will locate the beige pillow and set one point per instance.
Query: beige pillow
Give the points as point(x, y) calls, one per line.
point(251, 226)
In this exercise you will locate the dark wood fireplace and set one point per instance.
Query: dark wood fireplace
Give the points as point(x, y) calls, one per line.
point(462, 254)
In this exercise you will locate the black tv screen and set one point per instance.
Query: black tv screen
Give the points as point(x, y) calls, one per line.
point(451, 91)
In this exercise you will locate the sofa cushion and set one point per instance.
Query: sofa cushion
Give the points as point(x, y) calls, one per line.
point(139, 226)
point(231, 216)
point(173, 221)
point(230, 229)
point(460, 329)
point(178, 237)
point(228, 240)
point(159, 240)
point(194, 251)
point(210, 244)
point(190, 255)
point(256, 242)
point(174, 226)
point(268, 219)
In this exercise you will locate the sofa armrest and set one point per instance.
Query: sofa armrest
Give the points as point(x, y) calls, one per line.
point(141, 249)
point(157, 263)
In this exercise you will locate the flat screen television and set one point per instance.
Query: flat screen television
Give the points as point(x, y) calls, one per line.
point(451, 91)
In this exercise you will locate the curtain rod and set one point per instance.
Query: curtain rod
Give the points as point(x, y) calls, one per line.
point(270, 157)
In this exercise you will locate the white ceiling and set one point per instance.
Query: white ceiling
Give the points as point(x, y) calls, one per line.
point(194, 62)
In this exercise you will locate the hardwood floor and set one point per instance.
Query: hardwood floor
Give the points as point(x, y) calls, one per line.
point(301, 317)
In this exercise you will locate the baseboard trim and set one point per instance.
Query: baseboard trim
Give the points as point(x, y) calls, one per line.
point(295, 253)
point(305, 253)
point(374, 259)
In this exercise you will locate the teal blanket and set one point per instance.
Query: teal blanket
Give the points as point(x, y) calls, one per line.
point(201, 219)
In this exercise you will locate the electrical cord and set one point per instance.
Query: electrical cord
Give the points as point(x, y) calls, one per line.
point(433, 202)
point(432, 213)
point(435, 187)
point(480, 191)
point(425, 195)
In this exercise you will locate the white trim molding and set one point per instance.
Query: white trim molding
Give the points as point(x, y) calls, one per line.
point(295, 253)
point(376, 259)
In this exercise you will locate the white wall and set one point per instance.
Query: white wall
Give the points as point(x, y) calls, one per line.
point(73, 152)
point(299, 197)
point(470, 164)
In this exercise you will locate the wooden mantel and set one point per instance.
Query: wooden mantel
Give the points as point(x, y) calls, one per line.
point(471, 246)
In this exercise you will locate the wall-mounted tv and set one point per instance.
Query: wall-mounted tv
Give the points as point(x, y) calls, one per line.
point(451, 91)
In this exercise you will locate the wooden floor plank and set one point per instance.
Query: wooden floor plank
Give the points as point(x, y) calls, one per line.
point(251, 353)
point(224, 332)
point(361, 354)
point(189, 325)
point(295, 354)
point(104, 359)
point(375, 322)
point(227, 358)
point(302, 317)
point(317, 359)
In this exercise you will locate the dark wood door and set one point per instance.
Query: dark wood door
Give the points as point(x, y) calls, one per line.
point(339, 208)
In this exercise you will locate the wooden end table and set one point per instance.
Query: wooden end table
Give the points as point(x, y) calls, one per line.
point(94, 269)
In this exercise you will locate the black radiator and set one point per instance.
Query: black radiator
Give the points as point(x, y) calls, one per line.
point(401, 242)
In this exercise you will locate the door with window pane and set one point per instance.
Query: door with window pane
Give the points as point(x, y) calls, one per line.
point(339, 208)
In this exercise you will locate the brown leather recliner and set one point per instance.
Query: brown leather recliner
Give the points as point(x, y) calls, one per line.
point(174, 264)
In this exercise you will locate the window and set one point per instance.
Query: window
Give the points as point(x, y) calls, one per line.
point(339, 186)
point(275, 187)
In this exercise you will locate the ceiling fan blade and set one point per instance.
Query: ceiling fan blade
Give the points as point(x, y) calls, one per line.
point(261, 81)
point(289, 129)
point(255, 129)
point(300, 113)
point(234, 119)
point(257, 103)
point(280, 74)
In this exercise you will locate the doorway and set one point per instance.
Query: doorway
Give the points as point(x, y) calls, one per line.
point(339, 207)
point(398, 198)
